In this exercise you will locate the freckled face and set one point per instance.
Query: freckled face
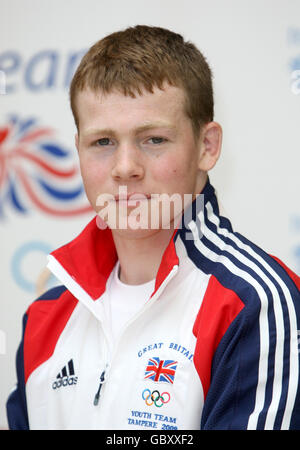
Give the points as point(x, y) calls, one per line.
point(145, 143)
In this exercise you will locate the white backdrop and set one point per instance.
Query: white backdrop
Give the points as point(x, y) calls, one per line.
point(253, 47)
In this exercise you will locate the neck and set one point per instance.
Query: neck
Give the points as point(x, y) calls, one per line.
point(140, 252)
point(140, 256)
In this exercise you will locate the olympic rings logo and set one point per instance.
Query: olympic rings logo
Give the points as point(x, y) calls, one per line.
point(155, 398)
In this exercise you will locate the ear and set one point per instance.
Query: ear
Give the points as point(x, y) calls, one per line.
point(210, 142)
point(77, 141)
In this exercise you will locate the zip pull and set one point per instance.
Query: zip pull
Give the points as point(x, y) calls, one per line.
point(97, 396)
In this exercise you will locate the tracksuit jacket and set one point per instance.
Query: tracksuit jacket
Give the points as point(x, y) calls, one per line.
point(214, 347)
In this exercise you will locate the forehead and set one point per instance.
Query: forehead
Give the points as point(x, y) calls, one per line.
point(167, 104)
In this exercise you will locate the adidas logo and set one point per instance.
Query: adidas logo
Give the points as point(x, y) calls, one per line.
point(66, 377)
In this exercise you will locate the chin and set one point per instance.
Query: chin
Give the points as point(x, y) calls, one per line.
point(130, 233)
point(140, 233)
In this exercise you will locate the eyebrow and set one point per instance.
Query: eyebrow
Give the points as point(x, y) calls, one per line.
point(144, 127)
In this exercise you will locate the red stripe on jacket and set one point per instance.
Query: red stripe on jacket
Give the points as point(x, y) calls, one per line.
point(219, 308)
point(46, 321)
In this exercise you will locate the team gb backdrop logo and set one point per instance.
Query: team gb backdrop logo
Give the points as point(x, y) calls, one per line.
point(36, 172)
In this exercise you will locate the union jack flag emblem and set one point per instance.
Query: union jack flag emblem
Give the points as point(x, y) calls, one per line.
point(161, 370)
point(36, 171)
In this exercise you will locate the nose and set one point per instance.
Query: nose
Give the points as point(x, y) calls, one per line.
point(127, 164)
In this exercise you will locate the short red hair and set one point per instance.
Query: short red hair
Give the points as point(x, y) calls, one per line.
point(142, 57)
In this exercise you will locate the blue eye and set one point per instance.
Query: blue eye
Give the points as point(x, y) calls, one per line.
point(157, 140)
point(103, 141)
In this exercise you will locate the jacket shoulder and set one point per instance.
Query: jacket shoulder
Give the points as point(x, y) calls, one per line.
point(53, 293)
point(46, 318)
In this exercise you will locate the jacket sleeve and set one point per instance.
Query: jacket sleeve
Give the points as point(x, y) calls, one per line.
point(254, 381)
point(16, 406)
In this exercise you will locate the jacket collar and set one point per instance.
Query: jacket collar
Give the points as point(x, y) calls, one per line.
point(91, 256)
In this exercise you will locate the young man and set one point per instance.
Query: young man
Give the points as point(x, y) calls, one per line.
point(179, 323)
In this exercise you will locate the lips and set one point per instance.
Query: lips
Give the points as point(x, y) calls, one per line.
point(134, 196)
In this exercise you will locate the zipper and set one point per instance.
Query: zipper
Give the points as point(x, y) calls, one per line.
point(103, 379)
point(104, 374)
point(97, 395)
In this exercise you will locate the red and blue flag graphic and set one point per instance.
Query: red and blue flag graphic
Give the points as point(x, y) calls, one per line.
point(161, 370)
point(37, 172)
